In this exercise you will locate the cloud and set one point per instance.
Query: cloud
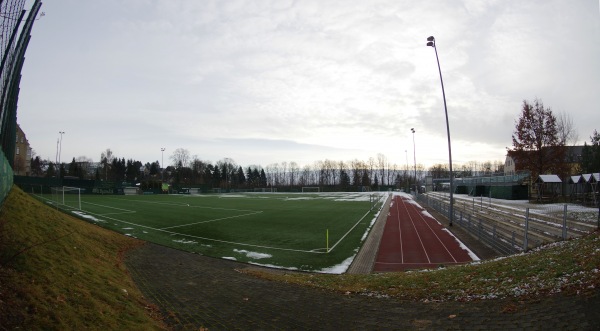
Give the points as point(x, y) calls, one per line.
point(330, 79)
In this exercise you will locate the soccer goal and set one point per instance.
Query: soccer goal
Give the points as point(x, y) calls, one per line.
point(309, 189)
point(67, 196)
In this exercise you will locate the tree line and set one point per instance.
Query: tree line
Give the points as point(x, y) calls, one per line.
point(541, 139)
point(539, 144)
point(190, 171)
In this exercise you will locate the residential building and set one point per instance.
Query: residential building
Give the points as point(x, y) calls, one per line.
point(22, 160)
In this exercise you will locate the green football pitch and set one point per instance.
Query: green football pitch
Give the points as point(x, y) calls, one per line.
point(310, 232)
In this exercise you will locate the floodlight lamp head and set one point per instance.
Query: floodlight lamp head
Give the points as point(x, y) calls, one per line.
point(431, 41)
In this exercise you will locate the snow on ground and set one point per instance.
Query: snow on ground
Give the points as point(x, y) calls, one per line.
point(473, 256)
point(253, 255)
point(338, 269)
point(86, 216)
point(183, 241)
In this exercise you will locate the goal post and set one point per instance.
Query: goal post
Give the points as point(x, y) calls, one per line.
point(309, 189)
point(67, 196)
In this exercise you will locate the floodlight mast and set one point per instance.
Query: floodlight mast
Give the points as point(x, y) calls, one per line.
point(415, 160)
point(431, 43)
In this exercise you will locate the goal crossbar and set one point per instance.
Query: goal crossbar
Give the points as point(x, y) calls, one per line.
point(67, 196)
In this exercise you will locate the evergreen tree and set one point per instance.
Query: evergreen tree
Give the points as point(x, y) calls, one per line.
point(590, 160)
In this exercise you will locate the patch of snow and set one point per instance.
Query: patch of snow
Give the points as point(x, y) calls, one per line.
point(86, 216)
point(473, 256)
point(273, 266)
point(340, 268)
point(183, 241)
point(229, 258)
point(253, 255)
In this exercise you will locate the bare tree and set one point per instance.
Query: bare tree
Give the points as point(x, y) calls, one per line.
point(294, 173)
point(180, 158)
point(381, 163)
point(106, 158)
point(566, 131)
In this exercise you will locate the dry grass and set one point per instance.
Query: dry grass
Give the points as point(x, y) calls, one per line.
point(570, 267)
point(57, 272)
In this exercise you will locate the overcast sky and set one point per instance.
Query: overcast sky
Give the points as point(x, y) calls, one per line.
point(272, 81)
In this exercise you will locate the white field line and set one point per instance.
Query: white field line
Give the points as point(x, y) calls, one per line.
point(348, 232)
point(209, 239)
point(317, 251)
point(123, 211)
point(213, 220)
point(182, 204)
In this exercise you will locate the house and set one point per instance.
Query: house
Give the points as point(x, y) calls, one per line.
point(572, 160)
point(22, 160)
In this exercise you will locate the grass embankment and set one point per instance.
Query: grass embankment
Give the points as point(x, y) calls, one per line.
point(60, 273)
point(571, 267)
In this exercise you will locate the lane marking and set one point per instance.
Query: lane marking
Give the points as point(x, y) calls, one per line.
point(404, 203)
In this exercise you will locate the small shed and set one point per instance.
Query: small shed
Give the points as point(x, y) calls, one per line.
point(590, 188)
point(596, 179)
point(548, 187)
point(576, 188)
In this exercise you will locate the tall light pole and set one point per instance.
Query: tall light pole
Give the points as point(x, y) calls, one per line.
point(431, 42)
point(162, 162)
point(415, 160)
point(60, 151)
point(407, 170)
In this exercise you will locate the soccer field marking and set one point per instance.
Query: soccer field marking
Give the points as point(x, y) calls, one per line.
point(348, 232)
point(213, 220)
point(205, 238)
point(183, 204)
point(321, 250)
point(123, 211)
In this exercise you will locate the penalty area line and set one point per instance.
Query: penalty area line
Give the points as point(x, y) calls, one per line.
point(213, 220)
point(210, 239)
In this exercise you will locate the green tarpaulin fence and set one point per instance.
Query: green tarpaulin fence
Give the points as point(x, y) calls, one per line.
point(6, 177)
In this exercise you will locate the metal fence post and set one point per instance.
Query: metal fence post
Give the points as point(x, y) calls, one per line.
point(564, 229)
point(512, 242)
point(525, 243)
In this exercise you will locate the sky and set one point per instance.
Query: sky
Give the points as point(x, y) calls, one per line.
point(263, 82)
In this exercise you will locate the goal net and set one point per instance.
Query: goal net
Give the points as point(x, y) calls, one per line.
point(308, 189)
point(67, 196)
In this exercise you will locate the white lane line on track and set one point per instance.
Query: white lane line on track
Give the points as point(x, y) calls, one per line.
point(435, 234)
point(404, 203)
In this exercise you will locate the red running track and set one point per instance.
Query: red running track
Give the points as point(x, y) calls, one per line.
point(413, 239)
